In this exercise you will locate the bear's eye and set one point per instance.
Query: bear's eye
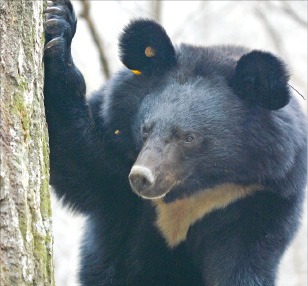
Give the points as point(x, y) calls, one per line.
point(189, 138)
point(144, 133)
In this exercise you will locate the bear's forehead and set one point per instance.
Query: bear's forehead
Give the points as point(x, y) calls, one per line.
point(197, 91)
point(198, 102)
point(209, 61)
point(193, 94)
point(199, 81)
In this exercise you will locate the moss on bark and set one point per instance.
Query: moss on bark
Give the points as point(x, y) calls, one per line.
point(25, 211)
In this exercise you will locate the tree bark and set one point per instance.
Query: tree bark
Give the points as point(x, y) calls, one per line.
point(25, 213)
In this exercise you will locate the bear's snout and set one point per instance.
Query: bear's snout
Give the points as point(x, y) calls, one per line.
point(141, 179)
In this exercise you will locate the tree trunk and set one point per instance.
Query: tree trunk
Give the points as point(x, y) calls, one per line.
point(25, 213)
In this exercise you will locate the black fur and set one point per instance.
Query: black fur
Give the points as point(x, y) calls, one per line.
point(212, 116)
point(261, 78)
point(139, 35)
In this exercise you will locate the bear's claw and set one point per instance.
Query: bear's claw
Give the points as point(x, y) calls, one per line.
point(54, 42)
point(52, 26)
point(55, 11)
point(59, 26)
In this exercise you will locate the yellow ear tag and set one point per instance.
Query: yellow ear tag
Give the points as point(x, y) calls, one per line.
point(136, 72)
point(117, 132)
point(149, 52)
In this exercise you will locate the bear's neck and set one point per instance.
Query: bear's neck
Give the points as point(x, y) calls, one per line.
point(174, 219)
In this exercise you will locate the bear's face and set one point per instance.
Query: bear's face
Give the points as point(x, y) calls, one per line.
point(200, 124)
point(186, 131)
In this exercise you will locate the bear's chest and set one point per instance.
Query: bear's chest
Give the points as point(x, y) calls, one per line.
point(174, 219)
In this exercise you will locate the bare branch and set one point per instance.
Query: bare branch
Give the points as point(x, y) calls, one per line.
point(156, 10)
point(96, 38)
point(274, 35)
point(292, 14)
point(201, 16)
point(194, 16)
point(136, 9)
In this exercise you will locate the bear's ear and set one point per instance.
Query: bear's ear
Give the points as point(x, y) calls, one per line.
point(262, 79)
point(146, 48)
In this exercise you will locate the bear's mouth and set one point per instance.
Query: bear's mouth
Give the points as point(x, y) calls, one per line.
point(151, 196)
point(156, 193)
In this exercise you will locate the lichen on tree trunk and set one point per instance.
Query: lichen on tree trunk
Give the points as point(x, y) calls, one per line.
point(25, 213)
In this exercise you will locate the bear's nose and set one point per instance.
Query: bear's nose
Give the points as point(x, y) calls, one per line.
point(141, 179)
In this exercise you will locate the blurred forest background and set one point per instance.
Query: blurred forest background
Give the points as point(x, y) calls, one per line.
point(276, 26)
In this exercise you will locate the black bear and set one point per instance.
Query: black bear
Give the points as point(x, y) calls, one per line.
point(190, 163)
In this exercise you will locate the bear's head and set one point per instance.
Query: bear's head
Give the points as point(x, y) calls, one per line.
point(205, 116)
